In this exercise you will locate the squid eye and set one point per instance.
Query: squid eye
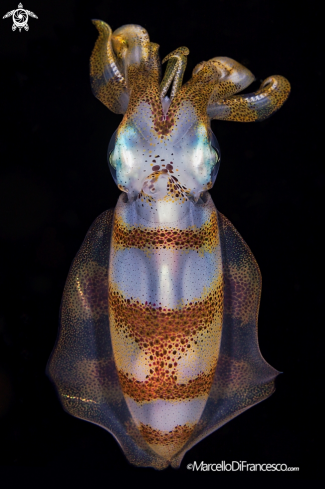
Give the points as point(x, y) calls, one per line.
point(110, 150)
point(112, 166)
point(215, 146)
point(216, 149)
point(217, 152)
point(110, 160)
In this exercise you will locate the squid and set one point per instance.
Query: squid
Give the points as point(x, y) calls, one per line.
point(158, 324)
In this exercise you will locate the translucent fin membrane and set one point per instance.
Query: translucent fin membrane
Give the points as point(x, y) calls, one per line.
point(82, 364)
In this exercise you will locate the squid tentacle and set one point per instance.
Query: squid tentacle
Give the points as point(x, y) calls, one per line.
point(255, 106)
point(175, 69)
point(107, 82)
point(234, 77)
point(216, 79)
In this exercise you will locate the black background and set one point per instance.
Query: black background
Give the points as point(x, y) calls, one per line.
point(55, 181)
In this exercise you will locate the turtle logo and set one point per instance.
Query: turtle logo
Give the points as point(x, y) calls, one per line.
point(20, 18)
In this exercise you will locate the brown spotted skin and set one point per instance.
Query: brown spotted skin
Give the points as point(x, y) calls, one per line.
point(158, 338)
point(193, 238)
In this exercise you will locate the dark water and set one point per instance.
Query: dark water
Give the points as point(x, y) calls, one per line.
point(55, 181)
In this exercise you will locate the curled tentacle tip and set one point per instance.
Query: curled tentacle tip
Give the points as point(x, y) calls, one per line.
point(100, 25)
point(278, 83)
point(182, 51)
point(270, 78)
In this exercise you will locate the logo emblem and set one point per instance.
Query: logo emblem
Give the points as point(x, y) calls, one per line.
point(20, 18)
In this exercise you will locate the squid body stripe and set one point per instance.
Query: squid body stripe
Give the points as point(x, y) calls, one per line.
point(165, 333)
